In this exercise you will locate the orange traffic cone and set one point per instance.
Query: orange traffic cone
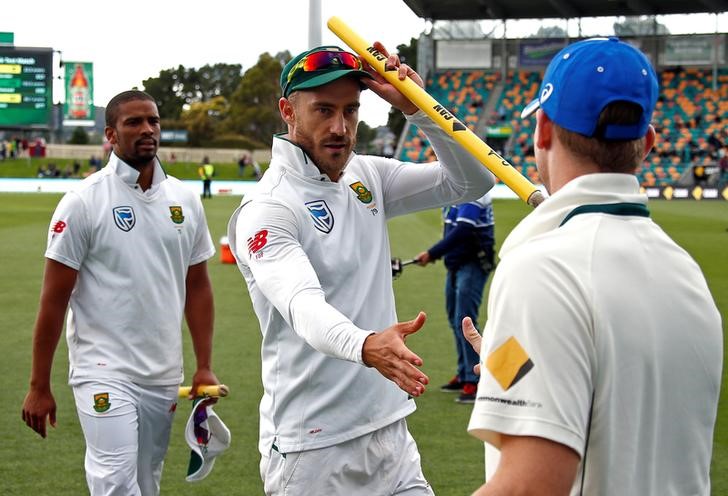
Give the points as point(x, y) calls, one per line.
point(226, 254)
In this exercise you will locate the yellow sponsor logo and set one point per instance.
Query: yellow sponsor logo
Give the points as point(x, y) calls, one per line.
point(509, 363)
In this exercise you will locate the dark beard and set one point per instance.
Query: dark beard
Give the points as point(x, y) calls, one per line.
point(138, 161)
point(326, 166)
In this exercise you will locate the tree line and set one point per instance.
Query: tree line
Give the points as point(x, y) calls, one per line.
point(218, 104)
point(221, 106)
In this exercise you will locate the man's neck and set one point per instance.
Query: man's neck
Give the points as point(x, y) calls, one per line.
point(145, 170)
point(146, 175)
point(565, 167)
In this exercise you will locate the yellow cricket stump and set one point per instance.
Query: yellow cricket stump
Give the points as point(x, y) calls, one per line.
point(216, 391)
point(440, 115)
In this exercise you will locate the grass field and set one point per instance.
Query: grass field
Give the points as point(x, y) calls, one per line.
point(452, 460)
point(27, 167)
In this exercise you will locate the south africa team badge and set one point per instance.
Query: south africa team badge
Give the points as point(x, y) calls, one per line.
point(362, 193)
point(176, 216)
point(101, 402)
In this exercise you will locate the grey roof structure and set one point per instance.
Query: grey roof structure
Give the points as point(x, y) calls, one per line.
point(437, 10)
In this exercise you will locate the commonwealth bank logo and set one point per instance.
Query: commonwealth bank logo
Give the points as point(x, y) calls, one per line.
point(509, 363)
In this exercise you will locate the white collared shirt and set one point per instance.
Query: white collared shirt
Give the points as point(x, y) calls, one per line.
point(132, 250)
point(316, 258)
point(602, 335)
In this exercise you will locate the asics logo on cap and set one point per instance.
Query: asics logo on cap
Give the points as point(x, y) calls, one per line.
point(546, 92)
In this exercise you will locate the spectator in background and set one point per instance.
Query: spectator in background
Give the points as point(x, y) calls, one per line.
point(94, 165)
point(206, 171)
point(502, 112)
point(256, 169)
point(76, 168)
point(38, 149)
point(3, 149)
point(467, 251)
point(723, 164)
point(699, 175)
point(243, 163)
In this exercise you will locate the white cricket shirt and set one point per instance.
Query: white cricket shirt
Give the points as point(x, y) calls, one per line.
point(316, 258)
point(132, 250)
point(602, 335)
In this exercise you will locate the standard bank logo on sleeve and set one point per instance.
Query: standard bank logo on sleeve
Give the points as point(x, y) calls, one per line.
point(322, 217)
point(124, 218)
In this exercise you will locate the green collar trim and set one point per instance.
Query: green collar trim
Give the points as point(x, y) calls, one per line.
point(624, 209)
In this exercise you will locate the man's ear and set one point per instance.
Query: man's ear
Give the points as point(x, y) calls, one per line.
point(650, 138)
point(544, 130)
point(110, 134)
point(287, 111)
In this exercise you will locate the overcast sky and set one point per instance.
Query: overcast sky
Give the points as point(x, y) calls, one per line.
point(131, 40)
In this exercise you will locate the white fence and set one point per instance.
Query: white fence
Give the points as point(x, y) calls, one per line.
point(84, 152)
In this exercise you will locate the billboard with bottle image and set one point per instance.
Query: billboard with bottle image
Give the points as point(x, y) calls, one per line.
point(79, 107)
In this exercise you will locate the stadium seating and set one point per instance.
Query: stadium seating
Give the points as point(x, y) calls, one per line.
point(464, 93)
point(691, 119)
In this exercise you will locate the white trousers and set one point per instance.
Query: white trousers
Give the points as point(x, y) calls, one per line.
point(381, 463)
point(127, 428)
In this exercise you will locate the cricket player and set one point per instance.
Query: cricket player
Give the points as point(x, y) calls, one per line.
point(602, 354)
point(311, 242)
point(127, 252)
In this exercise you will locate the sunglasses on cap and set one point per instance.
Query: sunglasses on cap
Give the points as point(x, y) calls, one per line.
point(325, 59)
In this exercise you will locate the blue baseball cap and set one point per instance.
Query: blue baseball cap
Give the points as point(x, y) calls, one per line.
point(588, 75)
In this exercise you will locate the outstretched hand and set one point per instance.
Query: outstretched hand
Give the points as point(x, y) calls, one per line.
point(386, 351)
point(384, 88)
point(473, 337)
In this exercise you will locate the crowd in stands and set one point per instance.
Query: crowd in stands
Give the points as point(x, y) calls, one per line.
point(17, 147)
point(465, 93)
point(691, 120)
point(72, 170)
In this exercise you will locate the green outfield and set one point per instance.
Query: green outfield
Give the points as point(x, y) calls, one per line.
point(452, 460)
point(29, 167)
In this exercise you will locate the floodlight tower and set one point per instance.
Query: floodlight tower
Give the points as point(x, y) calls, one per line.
point(314, 23)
